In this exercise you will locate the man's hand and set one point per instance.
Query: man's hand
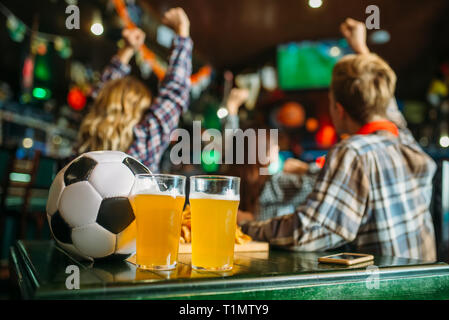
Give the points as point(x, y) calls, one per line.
point(236, 98)
point(295, 166)
point(355, 33)
point(244, 216)
point(177, 19)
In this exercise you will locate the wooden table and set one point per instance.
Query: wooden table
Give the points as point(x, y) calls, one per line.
point(38, 272)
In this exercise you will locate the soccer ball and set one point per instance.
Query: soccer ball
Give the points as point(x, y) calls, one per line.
point(88, 208)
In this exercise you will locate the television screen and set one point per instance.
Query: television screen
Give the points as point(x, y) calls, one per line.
point(308, 64)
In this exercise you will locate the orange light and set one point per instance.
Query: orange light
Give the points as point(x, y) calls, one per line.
point(292, 115)
point(326, 136)
point(320, 161)
point(312, 124)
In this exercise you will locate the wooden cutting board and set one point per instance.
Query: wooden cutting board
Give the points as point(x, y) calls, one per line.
point(253, 246)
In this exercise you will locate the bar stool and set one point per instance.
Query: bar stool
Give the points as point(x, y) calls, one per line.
point(7, 158)
point(23, 214)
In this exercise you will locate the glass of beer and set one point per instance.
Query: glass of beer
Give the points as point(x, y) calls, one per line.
point(214, 201)
point(158, 200)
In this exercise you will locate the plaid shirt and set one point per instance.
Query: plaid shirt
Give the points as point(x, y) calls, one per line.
point(152, 133)
point(373, 195)
point(283, 192)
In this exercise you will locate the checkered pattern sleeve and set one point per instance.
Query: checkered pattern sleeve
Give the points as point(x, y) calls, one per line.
point(332, 213)
point(283, 192)
point(152, 134)
point(114, 70)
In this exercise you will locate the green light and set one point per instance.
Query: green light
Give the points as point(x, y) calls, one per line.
point(210, 160)
point(275, 167)
point(41, 93)
point(41, 69)
point(19, 177)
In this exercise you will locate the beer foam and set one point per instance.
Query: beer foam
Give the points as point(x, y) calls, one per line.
point(153, 189)
point(174, 193)
point(230, 196)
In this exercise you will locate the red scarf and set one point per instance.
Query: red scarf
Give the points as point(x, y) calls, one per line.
point(368, 128)
point(374, 126)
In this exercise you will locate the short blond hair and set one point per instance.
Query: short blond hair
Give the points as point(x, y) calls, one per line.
point(364, 85)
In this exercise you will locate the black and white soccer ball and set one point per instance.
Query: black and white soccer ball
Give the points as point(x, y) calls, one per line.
point(88, 207)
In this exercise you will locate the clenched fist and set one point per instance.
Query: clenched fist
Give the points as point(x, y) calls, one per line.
point(177, 19)
point(355, 33)
point(236, 98)
point(134, 38)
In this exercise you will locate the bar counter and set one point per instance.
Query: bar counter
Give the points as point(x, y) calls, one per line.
point(38, 271)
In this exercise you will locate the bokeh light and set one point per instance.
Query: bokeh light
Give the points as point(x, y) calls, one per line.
point(312, 124)
point(27, 143)
point(97, 29)
point(315, 3)
point(444, 141)
point(326, 136)
point(222, 112)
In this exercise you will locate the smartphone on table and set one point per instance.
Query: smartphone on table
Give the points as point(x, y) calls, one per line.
point(346, 258)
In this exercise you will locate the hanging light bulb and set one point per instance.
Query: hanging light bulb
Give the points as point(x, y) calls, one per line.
point(315, 3)
point(97, 29)
point(97, 25)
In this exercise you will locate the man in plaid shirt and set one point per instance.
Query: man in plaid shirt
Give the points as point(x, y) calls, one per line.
point(374, 191)
point(152, 133)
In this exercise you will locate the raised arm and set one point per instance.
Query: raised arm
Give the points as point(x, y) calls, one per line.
point(153, 132)
point(119, 66)
point(355, 33)
point(235, 100)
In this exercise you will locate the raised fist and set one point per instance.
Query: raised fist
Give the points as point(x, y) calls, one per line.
point(236, 98)
point(355, 33)
point(134, 38)
point(177, 19)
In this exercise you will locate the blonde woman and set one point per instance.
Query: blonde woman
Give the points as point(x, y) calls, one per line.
point(124, 116)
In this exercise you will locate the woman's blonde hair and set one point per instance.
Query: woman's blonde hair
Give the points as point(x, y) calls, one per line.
point(117, 109)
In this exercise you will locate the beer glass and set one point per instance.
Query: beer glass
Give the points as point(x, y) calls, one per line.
point(158, 200)
point(214, 201)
